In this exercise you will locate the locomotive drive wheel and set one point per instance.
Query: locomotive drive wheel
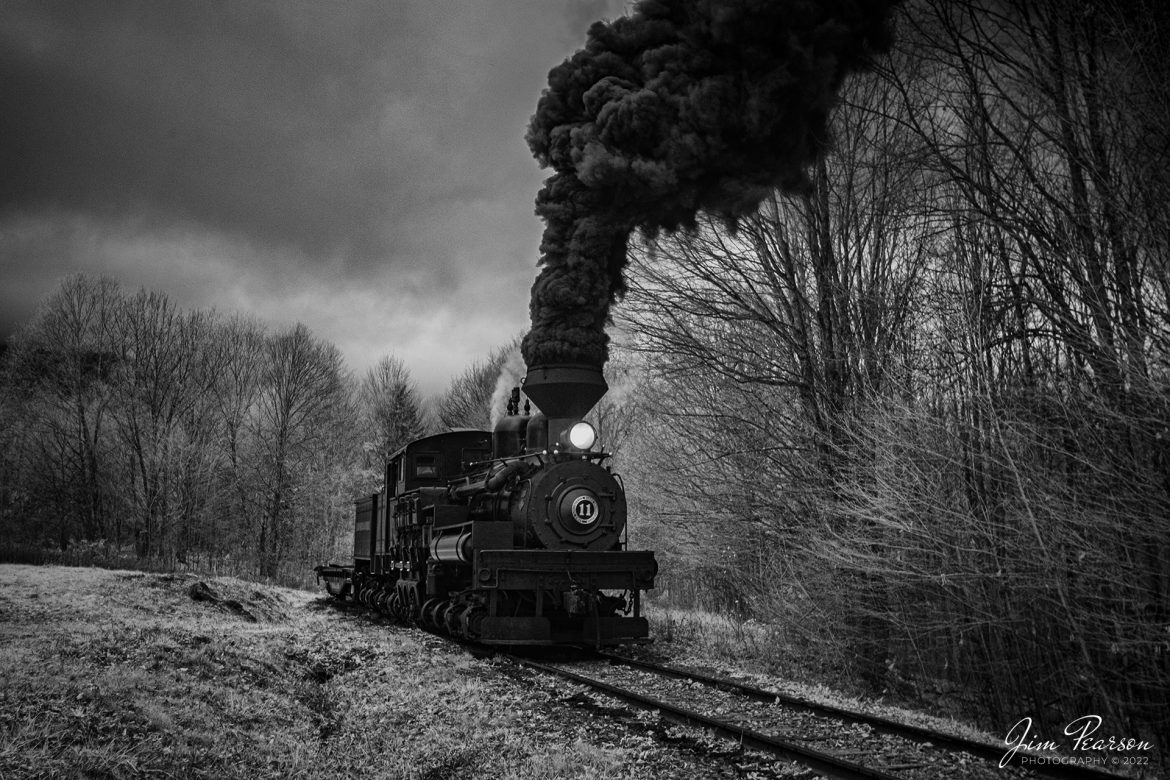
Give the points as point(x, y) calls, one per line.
point(426, 615)
point(450, 618)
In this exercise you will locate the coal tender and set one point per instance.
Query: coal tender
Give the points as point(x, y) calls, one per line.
point(516, 537)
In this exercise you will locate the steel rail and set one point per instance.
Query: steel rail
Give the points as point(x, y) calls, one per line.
point(915, 733)
point(819, 761)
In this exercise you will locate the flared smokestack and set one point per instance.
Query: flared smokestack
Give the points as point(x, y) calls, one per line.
point(565, 391)
point(685, 105)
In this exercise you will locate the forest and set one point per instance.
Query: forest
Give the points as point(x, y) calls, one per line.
point(914, 421)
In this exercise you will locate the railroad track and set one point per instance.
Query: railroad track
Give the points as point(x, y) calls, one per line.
point(832, 741)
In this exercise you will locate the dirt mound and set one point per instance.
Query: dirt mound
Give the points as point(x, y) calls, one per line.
point(191, 594)
point(239, 598)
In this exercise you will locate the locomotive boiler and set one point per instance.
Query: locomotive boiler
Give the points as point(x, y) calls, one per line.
point(514, 537)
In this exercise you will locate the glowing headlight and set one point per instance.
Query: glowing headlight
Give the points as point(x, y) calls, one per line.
point(582, 435)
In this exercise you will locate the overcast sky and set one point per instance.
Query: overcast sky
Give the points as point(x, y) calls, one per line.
point(356, 166)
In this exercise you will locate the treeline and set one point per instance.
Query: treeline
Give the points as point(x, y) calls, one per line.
point(132, 431)
point(918, 419)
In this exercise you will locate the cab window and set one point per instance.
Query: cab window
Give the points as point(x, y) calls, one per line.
point(427, 466)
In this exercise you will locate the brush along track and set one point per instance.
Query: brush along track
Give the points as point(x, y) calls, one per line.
point(832, 741)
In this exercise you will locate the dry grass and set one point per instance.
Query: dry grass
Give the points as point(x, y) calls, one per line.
point(700, 637)
point(123, 674)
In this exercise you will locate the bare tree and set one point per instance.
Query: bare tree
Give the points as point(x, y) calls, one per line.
point(1038, 145)
point(235, 396)
point(168, 364)
point(466, 403)
point(302, 405)
point(392, 409)
point(58, 373)
point(815, 295)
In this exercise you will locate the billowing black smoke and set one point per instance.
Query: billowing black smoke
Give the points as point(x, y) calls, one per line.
point(685, 105)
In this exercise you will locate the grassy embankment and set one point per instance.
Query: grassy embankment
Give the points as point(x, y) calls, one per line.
point(132, 674)
point(129, 674)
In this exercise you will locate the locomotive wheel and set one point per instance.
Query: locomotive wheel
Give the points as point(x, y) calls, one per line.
point(450, 618)
point(438, 615)
point(411, 612)
point(427, 613)
point(471, 619)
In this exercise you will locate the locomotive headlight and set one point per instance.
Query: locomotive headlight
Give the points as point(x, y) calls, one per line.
point(582, 436)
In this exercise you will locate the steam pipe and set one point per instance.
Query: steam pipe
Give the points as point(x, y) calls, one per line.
point(496, 479)
point(500, 476)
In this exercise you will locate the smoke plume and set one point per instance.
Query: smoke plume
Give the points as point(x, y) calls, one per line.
point(682, 106)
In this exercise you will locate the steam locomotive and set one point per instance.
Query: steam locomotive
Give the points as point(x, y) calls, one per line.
point(510, 538)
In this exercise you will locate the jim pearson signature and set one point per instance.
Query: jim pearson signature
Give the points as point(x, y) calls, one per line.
point(1083, 731)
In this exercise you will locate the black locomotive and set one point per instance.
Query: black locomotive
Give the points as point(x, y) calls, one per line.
point(510, 538)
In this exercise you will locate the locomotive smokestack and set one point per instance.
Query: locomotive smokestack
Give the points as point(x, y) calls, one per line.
point(565, 390)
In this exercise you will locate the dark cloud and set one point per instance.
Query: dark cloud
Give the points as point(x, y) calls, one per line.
point(317, 125)
point(257, 154)
point(212, 114)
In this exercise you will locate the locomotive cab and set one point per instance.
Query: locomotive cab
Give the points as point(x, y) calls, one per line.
point(435, 460)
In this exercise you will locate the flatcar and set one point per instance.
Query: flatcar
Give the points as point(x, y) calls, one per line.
point(514, 537)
